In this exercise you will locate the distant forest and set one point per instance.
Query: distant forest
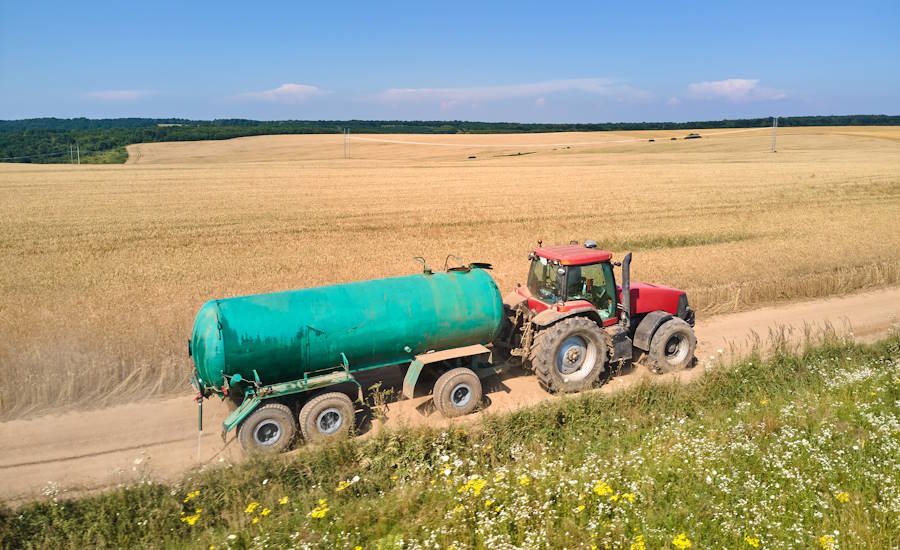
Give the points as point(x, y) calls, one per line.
point(48, 140)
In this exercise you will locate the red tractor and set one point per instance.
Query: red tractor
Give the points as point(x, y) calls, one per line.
point(571, 321)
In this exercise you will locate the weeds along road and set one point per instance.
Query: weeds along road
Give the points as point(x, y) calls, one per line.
point(86, 451)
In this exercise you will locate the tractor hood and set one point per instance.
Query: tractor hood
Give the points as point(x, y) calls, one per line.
point(646, 297)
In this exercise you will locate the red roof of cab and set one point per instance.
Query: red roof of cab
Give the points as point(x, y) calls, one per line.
point(573, 254)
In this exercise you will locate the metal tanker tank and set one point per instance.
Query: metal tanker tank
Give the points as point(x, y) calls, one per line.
point(285, 336)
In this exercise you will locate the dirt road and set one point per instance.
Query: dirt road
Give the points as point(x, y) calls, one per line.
point(85, 451)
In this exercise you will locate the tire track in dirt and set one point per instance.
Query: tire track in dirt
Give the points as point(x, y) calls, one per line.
point(84, 451)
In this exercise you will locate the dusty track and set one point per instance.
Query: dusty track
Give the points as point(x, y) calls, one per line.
point(84, 451)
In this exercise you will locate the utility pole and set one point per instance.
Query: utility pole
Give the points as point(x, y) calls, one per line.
point(774, 132)
point(78, 150)
point(71, 155)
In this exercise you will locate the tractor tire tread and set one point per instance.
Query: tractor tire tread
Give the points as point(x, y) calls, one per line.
point(544, 348)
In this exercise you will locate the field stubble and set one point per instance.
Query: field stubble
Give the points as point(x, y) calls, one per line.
point(104, 266)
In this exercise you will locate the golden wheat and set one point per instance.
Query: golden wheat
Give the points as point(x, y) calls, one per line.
point(103, 267)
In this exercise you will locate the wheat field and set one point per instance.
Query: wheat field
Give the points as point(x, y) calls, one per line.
point(104, 267)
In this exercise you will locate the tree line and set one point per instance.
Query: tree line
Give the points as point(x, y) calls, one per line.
point(47, 140)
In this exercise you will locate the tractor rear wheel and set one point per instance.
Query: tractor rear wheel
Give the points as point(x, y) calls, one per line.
point(327, 416)
point(672, 346)
point(570, 355)
point(269, 429)
point(457, 392)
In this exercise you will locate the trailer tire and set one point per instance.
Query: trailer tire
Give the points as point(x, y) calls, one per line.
point(457, 392)
point(569, 356)
point(326, 417)
point(270, 429)
point(672, 346)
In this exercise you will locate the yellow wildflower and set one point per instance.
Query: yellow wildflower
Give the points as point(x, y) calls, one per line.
point(343, 485)
point(192, 495)
point(638, 543)
point(251, 507)
point(681, 541)
point(255, 520)
point(614, 498)
point(524, 480)
point(579, 509)
point(842, 497)
point(433, 482)
point(628, 496)
point(826, 542)
point(321, 510)
point(192, 519)
point(764, 402)
point(488, 502)
point(496, 508)
point(498, 477)
point(459, 509)
point(752, 541)
point(602, 489)
point(265, 512)
point(474, 485)
point(357, 547)
point(393, 478)
point(283, 500)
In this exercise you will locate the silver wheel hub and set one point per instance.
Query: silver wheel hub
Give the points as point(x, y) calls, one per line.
point(460, 395)
point(676, 349)
point(267, 433)
point(329, 421)
point(576, 357)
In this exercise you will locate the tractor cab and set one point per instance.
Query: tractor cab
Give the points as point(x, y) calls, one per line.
point(567, 277)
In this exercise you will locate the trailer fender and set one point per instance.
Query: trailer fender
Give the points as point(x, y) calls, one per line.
point(476, 354)
point(239, 414)
point(647, 328)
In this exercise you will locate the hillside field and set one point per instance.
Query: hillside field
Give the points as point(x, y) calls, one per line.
point(104, 267)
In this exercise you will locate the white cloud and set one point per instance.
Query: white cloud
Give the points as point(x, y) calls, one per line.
point(118, 95)
point(449, 97)
point(673, 101)
point(286, 93)
point(736, 90)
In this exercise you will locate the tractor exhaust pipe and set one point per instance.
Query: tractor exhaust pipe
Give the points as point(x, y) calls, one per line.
point(626, 291)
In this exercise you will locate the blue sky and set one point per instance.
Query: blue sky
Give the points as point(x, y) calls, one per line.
point(516, 61)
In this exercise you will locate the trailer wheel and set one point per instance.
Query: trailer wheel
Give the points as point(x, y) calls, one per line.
point(457, 392)
point(570, 355)
point(270, 428)
point(672, 346)
point(327, 416)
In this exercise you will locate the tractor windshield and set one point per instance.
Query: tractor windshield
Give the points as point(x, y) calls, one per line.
point(593, 283)
point(542, 280)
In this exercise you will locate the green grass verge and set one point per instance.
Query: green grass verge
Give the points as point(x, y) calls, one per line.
point(799, 451)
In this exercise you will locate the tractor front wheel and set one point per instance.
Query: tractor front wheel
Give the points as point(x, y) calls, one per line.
point(570, 355)
point(672, 346)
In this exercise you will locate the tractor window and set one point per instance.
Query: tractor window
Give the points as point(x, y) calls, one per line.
point(542, 280)
point(593, 283)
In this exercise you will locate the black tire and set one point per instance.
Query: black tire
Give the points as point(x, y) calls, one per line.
point(457, 392)
point(271, 428)
point(327, 417)
point(570, 355)
point(672, 346)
